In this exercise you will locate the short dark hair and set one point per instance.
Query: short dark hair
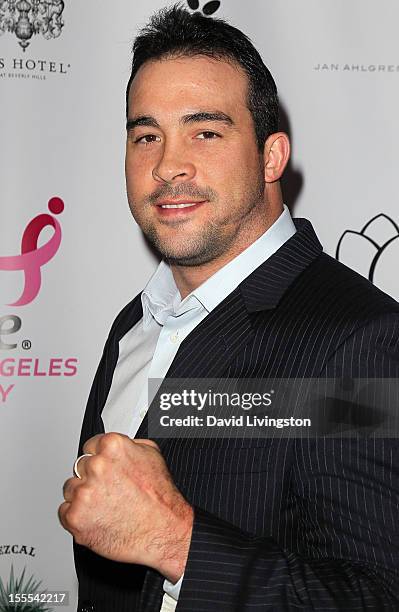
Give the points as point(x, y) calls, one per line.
point(174, 31)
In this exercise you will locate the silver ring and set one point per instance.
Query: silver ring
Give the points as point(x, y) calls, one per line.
point(75, 466)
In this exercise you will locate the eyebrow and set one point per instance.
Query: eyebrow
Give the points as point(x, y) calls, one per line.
point(207, 116)
point(141, 120)
point(198, 117)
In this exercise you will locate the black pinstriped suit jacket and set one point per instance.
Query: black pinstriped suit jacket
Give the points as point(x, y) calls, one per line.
point(279, 524)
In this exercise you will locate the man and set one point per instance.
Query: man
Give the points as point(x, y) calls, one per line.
point(242, 292)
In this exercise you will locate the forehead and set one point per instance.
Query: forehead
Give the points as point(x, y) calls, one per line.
point(171, 84)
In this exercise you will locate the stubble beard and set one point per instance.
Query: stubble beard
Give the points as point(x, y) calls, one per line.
point(212, 242)
point(197, 249)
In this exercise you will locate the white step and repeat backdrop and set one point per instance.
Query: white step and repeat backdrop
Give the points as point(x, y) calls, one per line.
point(70, 253)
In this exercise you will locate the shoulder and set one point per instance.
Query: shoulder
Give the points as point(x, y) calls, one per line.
point(341, 293)
point(360, 321)
point(327, 308)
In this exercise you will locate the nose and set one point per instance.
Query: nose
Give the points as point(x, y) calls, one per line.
point(173, 166)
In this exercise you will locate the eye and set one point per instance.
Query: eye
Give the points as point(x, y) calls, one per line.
point(147, 139)
point(207, 135)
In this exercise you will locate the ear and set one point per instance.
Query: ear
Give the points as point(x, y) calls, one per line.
point(276, 155)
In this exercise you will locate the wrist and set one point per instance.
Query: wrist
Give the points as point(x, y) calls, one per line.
point(176, 547)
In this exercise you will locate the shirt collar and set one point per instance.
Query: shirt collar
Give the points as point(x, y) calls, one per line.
point(218, 286)
point(161, 298)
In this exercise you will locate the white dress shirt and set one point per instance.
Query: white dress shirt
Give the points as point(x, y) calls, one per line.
point(148, 349)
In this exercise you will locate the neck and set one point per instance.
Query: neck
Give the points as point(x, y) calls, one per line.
point(188, 278)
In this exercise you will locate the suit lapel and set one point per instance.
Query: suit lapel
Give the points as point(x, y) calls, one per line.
point(207, 351)
point(265, 287)
point(211, 346)
point(92, 422)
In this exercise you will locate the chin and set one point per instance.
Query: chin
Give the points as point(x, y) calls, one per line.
point(189, 259)
point(184, 249)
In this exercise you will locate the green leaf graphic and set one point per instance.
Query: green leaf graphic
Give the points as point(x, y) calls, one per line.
point(20, 585)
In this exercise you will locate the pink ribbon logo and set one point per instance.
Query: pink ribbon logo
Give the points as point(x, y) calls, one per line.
point(32, 257)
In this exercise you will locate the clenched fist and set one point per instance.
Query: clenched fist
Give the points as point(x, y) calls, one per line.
point(126, 506)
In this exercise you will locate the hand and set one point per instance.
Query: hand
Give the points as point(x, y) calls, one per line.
point(126, 507)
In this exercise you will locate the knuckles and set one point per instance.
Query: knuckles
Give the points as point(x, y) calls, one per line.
point(76, 511)
point(68, 488)
point(104, 442)
point(112, 443)
point(77, 494)
point(83, 495)
point(74, 525)
point(96, 465)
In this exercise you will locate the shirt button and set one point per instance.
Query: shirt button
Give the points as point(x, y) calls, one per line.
point(174, 338)
point(142, 413)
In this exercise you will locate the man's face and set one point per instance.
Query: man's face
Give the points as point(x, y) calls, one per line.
point(191, 143)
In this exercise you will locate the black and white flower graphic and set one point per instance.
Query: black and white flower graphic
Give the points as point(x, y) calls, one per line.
point(373, 252)
point(208, 8)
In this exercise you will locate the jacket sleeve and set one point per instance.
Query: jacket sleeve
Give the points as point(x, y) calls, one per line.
point(345, 550)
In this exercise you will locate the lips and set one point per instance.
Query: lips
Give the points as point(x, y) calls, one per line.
point(182, 207)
